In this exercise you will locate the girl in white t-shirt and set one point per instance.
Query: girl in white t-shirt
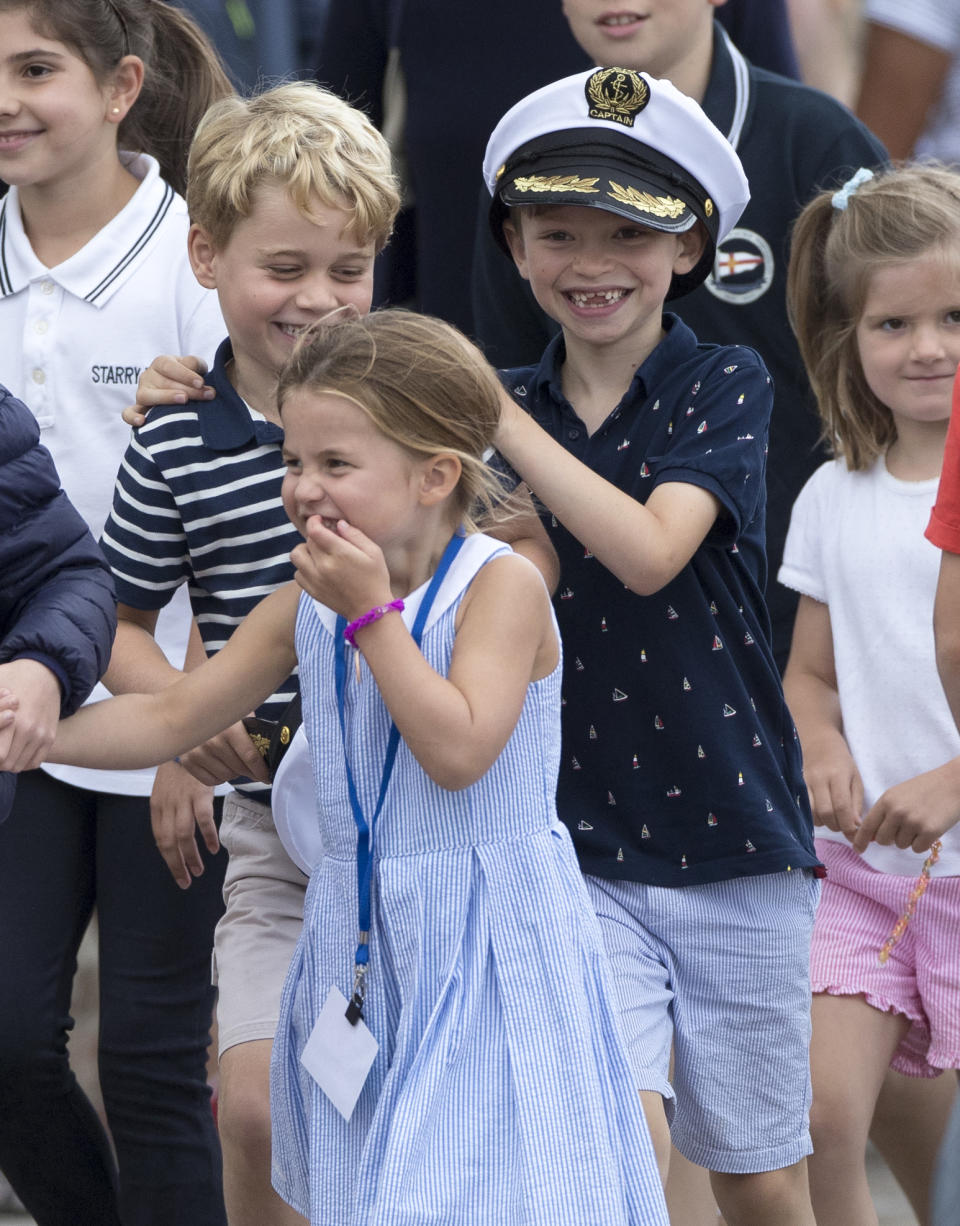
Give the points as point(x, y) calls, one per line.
point(98, 101)
point(874, 292)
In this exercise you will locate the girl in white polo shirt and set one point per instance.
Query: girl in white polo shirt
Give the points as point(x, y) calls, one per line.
point(98, 101)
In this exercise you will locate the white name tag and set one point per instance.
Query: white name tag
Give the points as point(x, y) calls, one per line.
point(338, 1055)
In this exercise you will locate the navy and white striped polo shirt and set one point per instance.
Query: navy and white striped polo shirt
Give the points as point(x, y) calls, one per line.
point(198, 500)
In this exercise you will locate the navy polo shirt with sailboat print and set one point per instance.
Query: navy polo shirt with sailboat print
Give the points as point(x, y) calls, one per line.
point(680, 763)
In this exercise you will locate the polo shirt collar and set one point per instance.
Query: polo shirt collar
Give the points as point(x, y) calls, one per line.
point(726, 101)
point(677, 346)
point(103, 264)
point(226, 422)
point(545, 379)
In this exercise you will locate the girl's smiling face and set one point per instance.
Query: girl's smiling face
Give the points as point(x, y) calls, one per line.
point(908, 337)
point(55, 117)
point(340, 466)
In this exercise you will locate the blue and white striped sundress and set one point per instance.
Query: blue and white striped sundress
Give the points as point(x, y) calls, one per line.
point(501, 1093)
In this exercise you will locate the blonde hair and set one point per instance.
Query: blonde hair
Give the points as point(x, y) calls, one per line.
point(302, 138)
point(423, 384)
point(897, 216)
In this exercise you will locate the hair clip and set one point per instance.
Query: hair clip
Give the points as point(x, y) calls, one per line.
point(841, 198)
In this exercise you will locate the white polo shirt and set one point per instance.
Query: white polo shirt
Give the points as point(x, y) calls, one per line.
point(73, 342)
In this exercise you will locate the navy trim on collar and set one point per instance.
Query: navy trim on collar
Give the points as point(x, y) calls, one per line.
point(225, 423)
point(6, 285)
point(145, 235)
point(117, 246)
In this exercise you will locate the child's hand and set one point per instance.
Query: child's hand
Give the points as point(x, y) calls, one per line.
point(168, 380)
point(178, 806)
point(9, 703)
point(28, 714)
point(344, 570)
point(915, 813)
point(226, 756)
point(834, 785)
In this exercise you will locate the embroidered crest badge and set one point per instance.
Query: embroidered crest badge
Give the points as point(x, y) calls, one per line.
point(616, 94)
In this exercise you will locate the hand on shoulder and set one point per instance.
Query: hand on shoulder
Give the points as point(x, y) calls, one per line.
point(168, 380)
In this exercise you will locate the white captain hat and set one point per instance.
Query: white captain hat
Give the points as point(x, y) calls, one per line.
point(619, 140)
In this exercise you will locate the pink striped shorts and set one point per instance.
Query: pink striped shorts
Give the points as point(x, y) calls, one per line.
point(921, 979)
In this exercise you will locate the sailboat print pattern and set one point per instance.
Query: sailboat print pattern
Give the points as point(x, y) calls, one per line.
point(657, 687)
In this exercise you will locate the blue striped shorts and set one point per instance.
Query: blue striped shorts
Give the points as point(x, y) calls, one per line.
point(720, 973)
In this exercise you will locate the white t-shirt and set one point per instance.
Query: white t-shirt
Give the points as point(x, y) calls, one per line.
point(856, 543)
point(73, 341)
point(937, 23)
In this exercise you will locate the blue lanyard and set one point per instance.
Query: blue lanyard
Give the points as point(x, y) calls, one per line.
point(365, 829)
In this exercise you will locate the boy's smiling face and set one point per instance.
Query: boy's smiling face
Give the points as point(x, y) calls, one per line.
point(655, 36)
point(278, 272)
point(602, 277)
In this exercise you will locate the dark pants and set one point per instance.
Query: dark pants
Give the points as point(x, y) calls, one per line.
point(64, 850)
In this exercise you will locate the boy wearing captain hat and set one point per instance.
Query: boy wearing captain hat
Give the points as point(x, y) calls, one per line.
point(572, 141)
point(680, 776)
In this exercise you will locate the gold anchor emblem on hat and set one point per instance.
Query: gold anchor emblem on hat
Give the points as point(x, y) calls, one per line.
point(616, 94)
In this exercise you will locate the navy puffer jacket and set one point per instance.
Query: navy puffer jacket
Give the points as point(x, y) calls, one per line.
point(57, 601)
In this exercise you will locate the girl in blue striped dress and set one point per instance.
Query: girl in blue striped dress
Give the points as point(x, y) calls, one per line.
point(493, 1087)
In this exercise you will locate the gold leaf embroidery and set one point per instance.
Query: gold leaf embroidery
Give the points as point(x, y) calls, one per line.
point(658, 206)
point(260, 743)
point(556, 183)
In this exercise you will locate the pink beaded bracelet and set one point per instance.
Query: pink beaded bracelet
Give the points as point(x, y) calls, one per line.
point(373, 615)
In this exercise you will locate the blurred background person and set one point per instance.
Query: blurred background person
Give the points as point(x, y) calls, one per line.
point(910, 89)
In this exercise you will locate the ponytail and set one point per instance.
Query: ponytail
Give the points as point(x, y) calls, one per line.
point(823, 310)
point(183, 74)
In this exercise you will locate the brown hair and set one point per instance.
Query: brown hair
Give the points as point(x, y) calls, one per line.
point(896, 216)
point(183, 74)
point(424, 385)
point(303, 138)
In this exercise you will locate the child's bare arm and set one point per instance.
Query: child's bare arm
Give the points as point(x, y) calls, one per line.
point(168, 380)
point(644, 545)
point(138, 730)
point(946, 630)
point(525, 534)
point(455, 726)
point(810, 686)
point(137, 662)
point(138, 665)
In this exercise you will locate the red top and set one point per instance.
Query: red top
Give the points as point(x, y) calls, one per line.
point(943, 529)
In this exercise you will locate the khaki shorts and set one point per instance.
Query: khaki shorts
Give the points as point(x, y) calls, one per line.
point(263, 891)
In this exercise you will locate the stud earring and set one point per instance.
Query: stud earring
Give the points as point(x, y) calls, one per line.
point(115, 111)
